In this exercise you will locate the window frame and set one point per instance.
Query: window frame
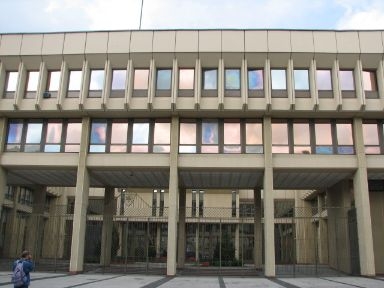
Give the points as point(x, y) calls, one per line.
point(232, 92)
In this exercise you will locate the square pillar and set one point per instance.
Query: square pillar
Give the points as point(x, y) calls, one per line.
point(3, 173)
point(182, 240)
point(107, 230)
point(257, 230)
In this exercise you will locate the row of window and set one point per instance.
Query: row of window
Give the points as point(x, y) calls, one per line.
point(313, 136)
point(232, 82)
point(25, 196)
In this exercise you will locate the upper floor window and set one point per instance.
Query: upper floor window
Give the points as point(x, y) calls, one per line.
point(279, 82)
point(209, 82)
point(371, 137)
point(301, 138)
point(232, 140)
point(162, 137)
point(163, 82)
point(98, 136)
point(119, 77)
point(74, 83)
point(33, 137)
point(187, 141)
point(280, 137)
point(32, 83)
point(209, 136)
point(53, 84)
point(347, 84)
point(254, 137)
point(370, 84)
point(96, 83)
point(186, 79)
point(301, 77)
point(11, 84)
point(232, 82)
point(53, 136)
point(255, 83)
point(141, 82)
point(324, 83)
point(344, 138)
point(323, 134)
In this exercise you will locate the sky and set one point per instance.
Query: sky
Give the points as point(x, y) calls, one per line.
point(84, 15)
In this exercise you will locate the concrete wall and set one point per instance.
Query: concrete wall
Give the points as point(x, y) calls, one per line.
point(377, 212)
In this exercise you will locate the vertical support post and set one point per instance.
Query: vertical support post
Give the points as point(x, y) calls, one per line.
point(158, 239)
point(81, 203)
point(3, 174)
point(11, 240)
point(173, 198)
point(182, 239)
point(257, 231)
point(237, 241)
point(362, 204)
point(106, 239)
point(269, 225)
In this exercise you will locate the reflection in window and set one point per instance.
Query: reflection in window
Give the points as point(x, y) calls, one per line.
point(323, 138)
point(371, 138)
point(14, 136)
point(280, 138)
point(72, 140)
point(186, 78)
point(210, 79)
point(33, 80)
point(187, 138)
point(11, 81)
point(141, 79)
point(324, 80)
point(346, 80)
point(162, 137)
point(232, 79)
point(119, 137)
point(209, 130)
point(33, 138)
point(370, 84)
point(97, 80)
point(344, 138)
point(232, 138)
point(163, 79)
point(301, 79)
point(53, 84)
point(140, 137)
point(279, 81)
point(301, 138)
point(118, 79)
point(98, 137)
point(74, 80)
point(53, 137)
point(255, 79)
point(254, 138)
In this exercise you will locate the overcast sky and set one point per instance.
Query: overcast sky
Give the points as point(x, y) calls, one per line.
point(83, 15)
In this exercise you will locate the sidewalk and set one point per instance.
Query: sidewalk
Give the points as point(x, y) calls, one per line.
point(57, 280)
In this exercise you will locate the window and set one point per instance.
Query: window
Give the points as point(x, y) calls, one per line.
point(140, 84)
point(347, 84)
point(344, 138)
point(162, 137)
point(140, 137)
point(210, 82)
point(73, 137)
point(280, 138)
point(32, 83)
point(15, 130)
point(53, 84)
point(255, 83)
point(324, 83)
point(161, 210)
point(301, 77)
point(53, 136)
point(33, 138)
point(74, 84)
point(164, 79)
point(301, 138)
point(98, 137)
point(11, 84)
point(10, 192)
point(187, 138)
point(232, 137)
point(119, 136)
point(254, 138)
point(232, 82)
point(186, 79)
point(279, 83)
point(118, 83)
point(209, 136)
point(323, 134)
point(96, 83)
point(371, 138)
point(370, 84)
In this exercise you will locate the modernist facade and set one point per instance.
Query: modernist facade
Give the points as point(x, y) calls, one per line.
point(258, 147)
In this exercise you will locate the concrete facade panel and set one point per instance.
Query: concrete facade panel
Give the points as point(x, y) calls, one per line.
point(233, 41)
point(96, 42)
point(187, 41)
point(119, 42)
point(348, 42)
point(279, 41)
point(53, 44)
point(302, 41)
point(11, 44)
point(325, 41)
point(209, 41)
point(141, 41)
point(74, 43)
point(164, 41)
point(32, 44)
point(256, 41)
point(371, 42)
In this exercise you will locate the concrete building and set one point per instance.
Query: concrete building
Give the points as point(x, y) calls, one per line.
point(261, 149)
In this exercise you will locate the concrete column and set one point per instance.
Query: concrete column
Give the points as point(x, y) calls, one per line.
point(106, 238)
point(197, 237)
point(363, 209)
point(182, 239)
point(81, 203)
point(269, 225)
point(3, 174)
point(35, 226)
point(257, 231)
point(173, 198)
point(11, 230)
point(158, 240)
point(237, 241)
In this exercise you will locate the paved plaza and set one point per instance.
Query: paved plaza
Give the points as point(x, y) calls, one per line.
point(56, 280)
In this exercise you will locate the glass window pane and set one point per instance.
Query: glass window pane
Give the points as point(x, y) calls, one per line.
point(231, 133)
point(187, 149)
point(52, 148)
point(141, 79)
point(279, 134)
point(323, 134)
point(279, 81)
point(370, 134)
point(344, 134)
point(163, 80)
point(97, 80)
point(118, 148)
point(118, 79)
point(210, 132)
point(186, 78)
point(162, 133)
point(33, 80)
point(209, 149)
point(14, 132)
point(301, 133)
point(74, 81)
point(54, 81)
point(12, 81)
point(97, 148)
point(53, 133)
point(254, 133)
point(161, 148)
point(119, 133)
point(187, 133)
point(369, 81)
point(301, 80)
point(139, 149)
point(34, 132)
point(210, 79)
point(140, 133)
point(98, 133)
point(324, 80)
point(73, 134)
point(255, 80)
point(346, 80)
point(232, 79)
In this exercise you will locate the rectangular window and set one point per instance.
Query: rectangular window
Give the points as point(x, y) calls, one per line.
point(162, 137)
point(140, 137)
point(141, 79)
point(163, 79)
point(324, 83)
point(32, 83)
point(187, 138)
point(280, 138)
point(96, 83)
point(53, 84)
point(323, 134)
point(11, 84)
point(255, 83)
point(98, 137)
point(232, 137)
point(119, 137)
point(279, 81)
point(210, 79)
point(210, 138)
point(72, 139)
point(347, 84)
point(15, 130)
point(370, 84)
point(118, 83)
point(33, 137)
point(371, 138)
point(344, 138)
point(232, 79)
point(74, 83)
point(301, 79)
point(254, 138)
point(53, 137)
point(186, 79)
point(301, 138)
